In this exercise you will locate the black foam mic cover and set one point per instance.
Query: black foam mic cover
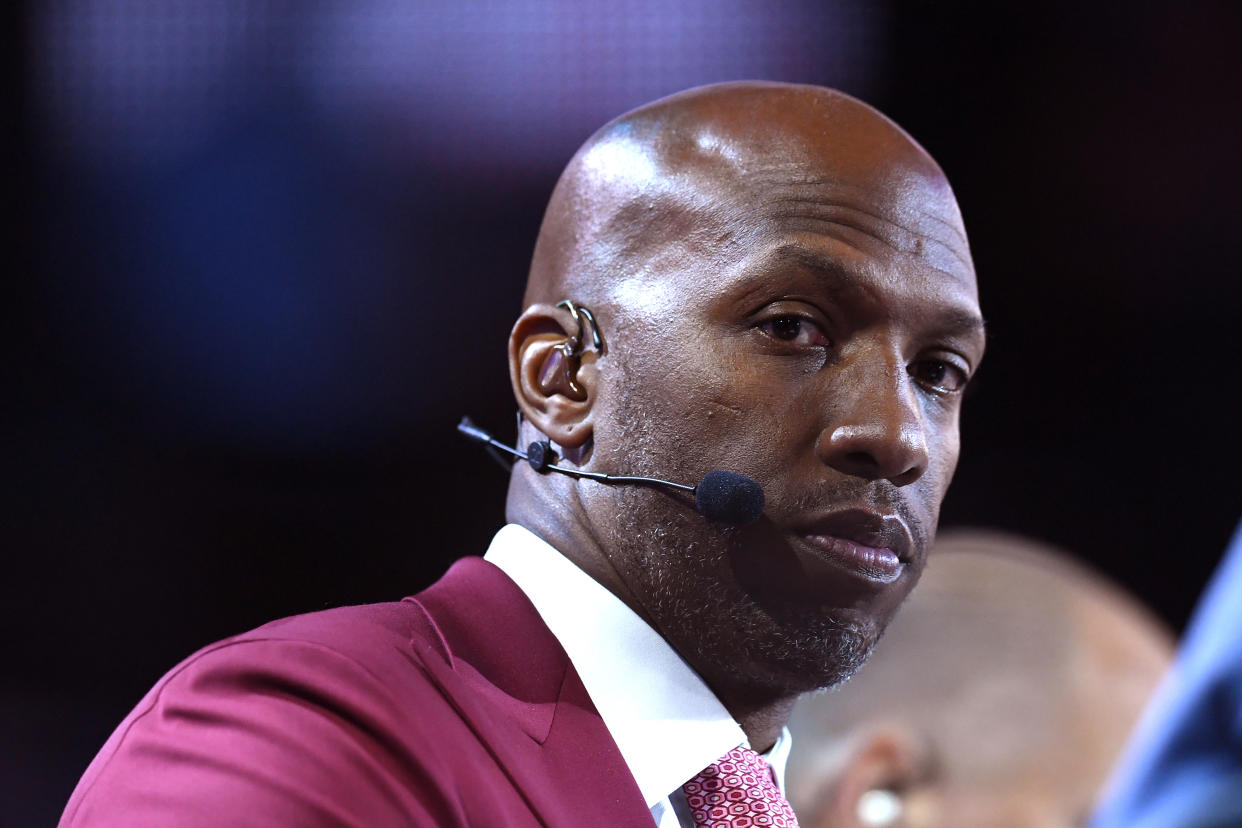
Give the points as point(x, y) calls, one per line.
point(729, 497)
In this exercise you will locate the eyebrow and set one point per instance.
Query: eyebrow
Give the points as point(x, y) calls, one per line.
point(951, 321)
point(960, 323)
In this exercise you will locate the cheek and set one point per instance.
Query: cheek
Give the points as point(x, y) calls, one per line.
point(711, 402)
point(652, 412)
point(761, 423)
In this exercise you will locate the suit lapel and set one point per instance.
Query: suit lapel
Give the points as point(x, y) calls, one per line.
point(492, 656)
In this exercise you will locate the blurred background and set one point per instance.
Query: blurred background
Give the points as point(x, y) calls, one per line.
point(267, 253)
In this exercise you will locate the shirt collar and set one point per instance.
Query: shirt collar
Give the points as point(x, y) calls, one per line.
point(666, 722)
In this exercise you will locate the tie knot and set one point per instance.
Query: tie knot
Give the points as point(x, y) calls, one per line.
point(738, 790)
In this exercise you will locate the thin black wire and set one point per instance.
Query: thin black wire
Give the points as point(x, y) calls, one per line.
point(492, 444)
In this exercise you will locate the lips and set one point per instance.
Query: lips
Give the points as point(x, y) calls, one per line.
point(872, 545)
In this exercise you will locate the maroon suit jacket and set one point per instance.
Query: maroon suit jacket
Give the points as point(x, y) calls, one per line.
point(454, 707)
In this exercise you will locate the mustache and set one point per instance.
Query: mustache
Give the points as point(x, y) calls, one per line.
point(880, 495)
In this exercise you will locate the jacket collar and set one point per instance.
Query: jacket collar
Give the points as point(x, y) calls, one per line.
point(667, 723)
point(483, 643)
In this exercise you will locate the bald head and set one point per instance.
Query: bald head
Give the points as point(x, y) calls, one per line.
point(1001, 695)
point(668, 178)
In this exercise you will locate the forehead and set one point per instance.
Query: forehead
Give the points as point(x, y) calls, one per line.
point(892, 213)
point(869, 187)
point(897, 233)
point(891, 238)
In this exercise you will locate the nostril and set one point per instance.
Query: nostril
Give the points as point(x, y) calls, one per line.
point(907, 477)
point(861, 458)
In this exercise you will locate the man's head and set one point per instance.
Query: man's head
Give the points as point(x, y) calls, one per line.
point(1001, 695)
point(785, 290)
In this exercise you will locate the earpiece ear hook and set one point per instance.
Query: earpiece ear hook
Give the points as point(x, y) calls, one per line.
point(559, 371)
point(579, 313)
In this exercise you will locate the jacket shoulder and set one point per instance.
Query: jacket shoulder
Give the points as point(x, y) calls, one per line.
point(326, 718)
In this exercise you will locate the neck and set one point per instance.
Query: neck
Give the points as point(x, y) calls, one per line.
point(763, 721)
point(553, 512)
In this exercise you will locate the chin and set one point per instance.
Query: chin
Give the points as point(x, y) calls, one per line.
point(788, 649)
point(787, 656)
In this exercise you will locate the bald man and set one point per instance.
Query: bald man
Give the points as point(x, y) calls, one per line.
point(1000, 696)
point(767, 279)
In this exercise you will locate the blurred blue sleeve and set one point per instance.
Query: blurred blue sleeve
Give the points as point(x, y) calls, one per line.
point(1183, 768)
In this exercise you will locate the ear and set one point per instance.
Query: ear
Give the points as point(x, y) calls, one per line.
point(882, 763)
point(554, 387)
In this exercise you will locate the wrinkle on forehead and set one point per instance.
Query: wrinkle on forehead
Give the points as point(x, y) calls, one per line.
point(906, 206)
point(916, 232)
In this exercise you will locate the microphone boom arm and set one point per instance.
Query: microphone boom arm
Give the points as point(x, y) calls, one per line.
point(477, 434)
point(723, 496)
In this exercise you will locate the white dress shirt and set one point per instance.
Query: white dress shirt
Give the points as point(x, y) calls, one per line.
point(666, 722)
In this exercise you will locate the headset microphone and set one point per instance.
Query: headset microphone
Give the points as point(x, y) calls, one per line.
point(722, 496)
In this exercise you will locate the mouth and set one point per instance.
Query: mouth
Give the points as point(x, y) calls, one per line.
point(871, 545)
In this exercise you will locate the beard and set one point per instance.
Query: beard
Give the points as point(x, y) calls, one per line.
point(731, 600)
point(691, 575)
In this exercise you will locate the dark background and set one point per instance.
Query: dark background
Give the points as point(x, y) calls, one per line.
point(266, 255)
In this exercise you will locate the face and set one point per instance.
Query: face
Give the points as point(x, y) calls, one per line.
point(814, 332)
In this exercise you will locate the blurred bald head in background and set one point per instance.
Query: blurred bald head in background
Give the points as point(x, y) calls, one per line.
point(1001, 696)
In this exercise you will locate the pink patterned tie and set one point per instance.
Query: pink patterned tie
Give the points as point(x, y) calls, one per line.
point(737, 791)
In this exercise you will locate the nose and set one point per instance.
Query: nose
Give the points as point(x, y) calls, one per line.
point(878, 430)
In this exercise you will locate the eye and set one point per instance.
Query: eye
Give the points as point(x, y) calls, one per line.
point(796, 330)
point(939, 375)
